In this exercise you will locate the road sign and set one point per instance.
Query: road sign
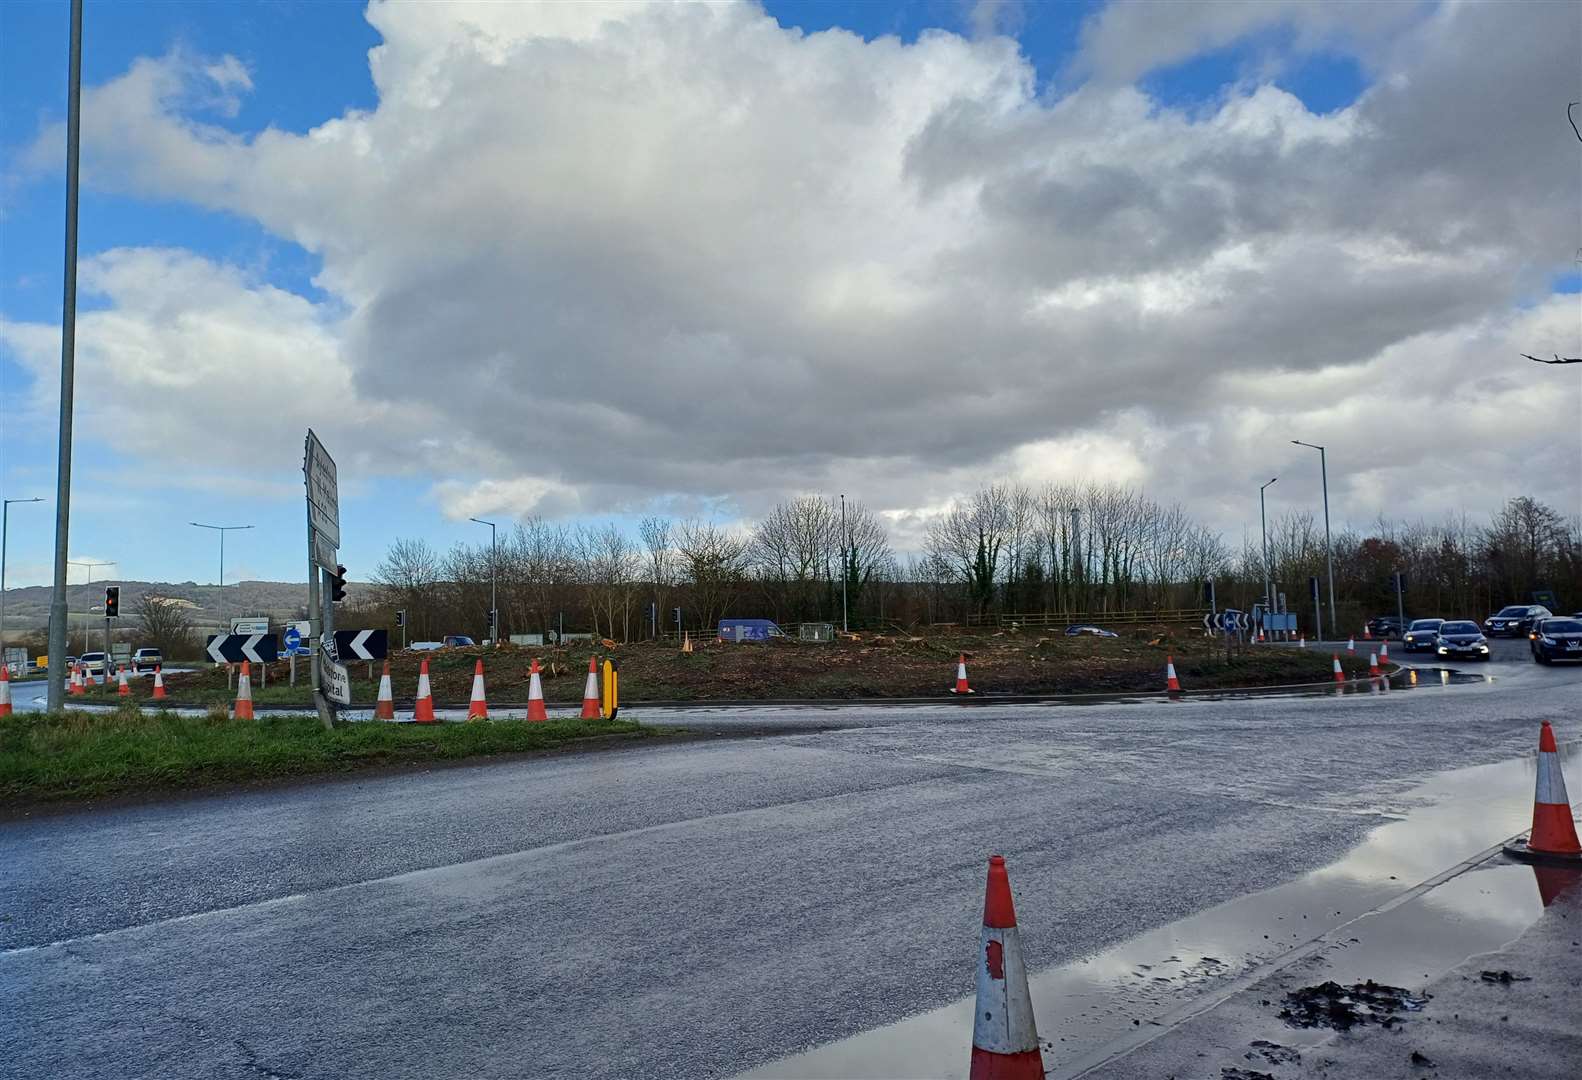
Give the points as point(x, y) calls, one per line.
point(361, 644)
point(334, 680)
point(234, 648)
point(291, 641)
point(324, 513)
point(250, 624)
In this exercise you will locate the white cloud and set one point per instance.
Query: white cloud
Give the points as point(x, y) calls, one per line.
point(589, 256)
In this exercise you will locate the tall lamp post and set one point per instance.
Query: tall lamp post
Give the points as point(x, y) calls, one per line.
point(5, 523)
point(845, 572)
point(1329, 548)
point(494, 564)
point(1263, 520)
point(90, 568)
point(222, 530)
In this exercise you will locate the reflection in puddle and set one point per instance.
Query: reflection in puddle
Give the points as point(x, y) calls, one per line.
point(1421, 919)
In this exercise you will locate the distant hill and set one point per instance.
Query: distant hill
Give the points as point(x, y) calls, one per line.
point(27, 609)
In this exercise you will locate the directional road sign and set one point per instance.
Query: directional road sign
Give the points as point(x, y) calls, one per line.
point(361, 644)
point(324, 513)
point(292, 641)
point(234, 648)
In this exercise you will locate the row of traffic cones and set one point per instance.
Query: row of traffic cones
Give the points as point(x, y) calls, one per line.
point(80, 678)
point(962, 687)
point(478, 706)
point(1005, 1032)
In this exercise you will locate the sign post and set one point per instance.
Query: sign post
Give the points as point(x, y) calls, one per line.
point(324, 540)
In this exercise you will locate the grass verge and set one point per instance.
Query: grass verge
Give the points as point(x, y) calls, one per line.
point(77, 755)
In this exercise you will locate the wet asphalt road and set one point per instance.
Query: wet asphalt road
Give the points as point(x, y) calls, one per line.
point(686, 910)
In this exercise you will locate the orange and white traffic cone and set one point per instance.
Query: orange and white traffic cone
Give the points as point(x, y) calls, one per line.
point(122, 689)
point(159, 683)
point(1367, 633)
point(961, 686)
point(1004, 1034)
point(74, 681)
point(1384, 654)
point(1340, 676)
point(686, 642)
point(478, 709)
point(590, 692)
point(535, 694)
point(424, 712)
point(1373, 665)
point(244, 693)
point(1351, 646)
point(5, 689)
point(1554, 835)
point(1302, 642)
point(1172, 684)
point(384, 708)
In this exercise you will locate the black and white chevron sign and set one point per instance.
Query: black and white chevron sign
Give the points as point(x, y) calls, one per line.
point(234, 648)
point(361, 644)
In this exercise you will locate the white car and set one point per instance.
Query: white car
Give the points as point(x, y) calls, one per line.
point(146, 660)
point(92, 662)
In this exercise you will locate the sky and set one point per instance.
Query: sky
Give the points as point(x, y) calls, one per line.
point(593, 261)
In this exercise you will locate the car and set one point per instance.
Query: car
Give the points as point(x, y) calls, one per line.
point(92, 662)
point(1384, 626)
point(1095, 631)
point(1556, 639)
point(1514, 620)
point(146, 659)
point(1421, 635)
point(458, 641)
point(1461, 638)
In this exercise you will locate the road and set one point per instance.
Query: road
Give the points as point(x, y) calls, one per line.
point(696, 909)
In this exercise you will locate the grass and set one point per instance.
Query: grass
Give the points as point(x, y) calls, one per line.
point(75, 755)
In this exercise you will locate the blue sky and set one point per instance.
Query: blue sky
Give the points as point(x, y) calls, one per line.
point(308, 63)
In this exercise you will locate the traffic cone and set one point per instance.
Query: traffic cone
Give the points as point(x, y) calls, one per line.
point(1302, 642)
point(479, 708)
point(159, 683)
point(384, 708)
point(1260, 634)
point(1172, 684)
point(1340, 676)
point(590, 692)
point(5, 689)
point(1351, 646)
point(74, 681)
point(1004, 1034)
point(122, 689)
point(686, 642)
point(424, 712)
point(1373, 665)
point(244, 692)
point(535, 694)
point(1384, 654)
point(1367, 634)
point(1554, 835)
point(961, 686)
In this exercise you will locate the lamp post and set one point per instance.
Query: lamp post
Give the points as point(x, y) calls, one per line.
point(222, 530)
point(845, 549)
point(494, 610)
point(1263, 520)
point(5, 523)
point(1329, 548)
point(66, 644)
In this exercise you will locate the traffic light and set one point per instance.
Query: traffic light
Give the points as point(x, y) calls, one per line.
point(338, 584)
point(112, 601)
point(401, 618)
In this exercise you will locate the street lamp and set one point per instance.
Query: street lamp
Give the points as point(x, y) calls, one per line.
point(5, 516)
point(222, 530)
point(67, 644)
point(1263, 520)
point(494, 611)
point(1329, 548)
point(845, 548)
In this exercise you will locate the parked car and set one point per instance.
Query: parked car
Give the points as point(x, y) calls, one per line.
point(1557, 639)
point(1515, 620)
point(458, 641)
point(146, 659)
point(1385, 626)
point(1461, 638)
point(1422, 635)
point(92, 662)
point(1095, 631)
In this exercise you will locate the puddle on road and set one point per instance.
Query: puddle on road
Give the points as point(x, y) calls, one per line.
point(1418, 926)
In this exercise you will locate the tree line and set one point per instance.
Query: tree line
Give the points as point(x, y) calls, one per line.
point(1077, 550)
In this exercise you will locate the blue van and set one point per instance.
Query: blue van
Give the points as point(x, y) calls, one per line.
point(749, 630)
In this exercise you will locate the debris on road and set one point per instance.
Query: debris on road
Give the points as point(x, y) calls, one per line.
point(1343, 1007)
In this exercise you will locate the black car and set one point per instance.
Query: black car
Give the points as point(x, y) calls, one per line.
point(1515, 621)
point(1422, 635)
point(1384, 626)
point(1461, 638)
point(1557, 639)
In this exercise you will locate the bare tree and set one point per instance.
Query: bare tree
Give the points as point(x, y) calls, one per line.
point(713, 563)
point(408, 578)
point(166, 626)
